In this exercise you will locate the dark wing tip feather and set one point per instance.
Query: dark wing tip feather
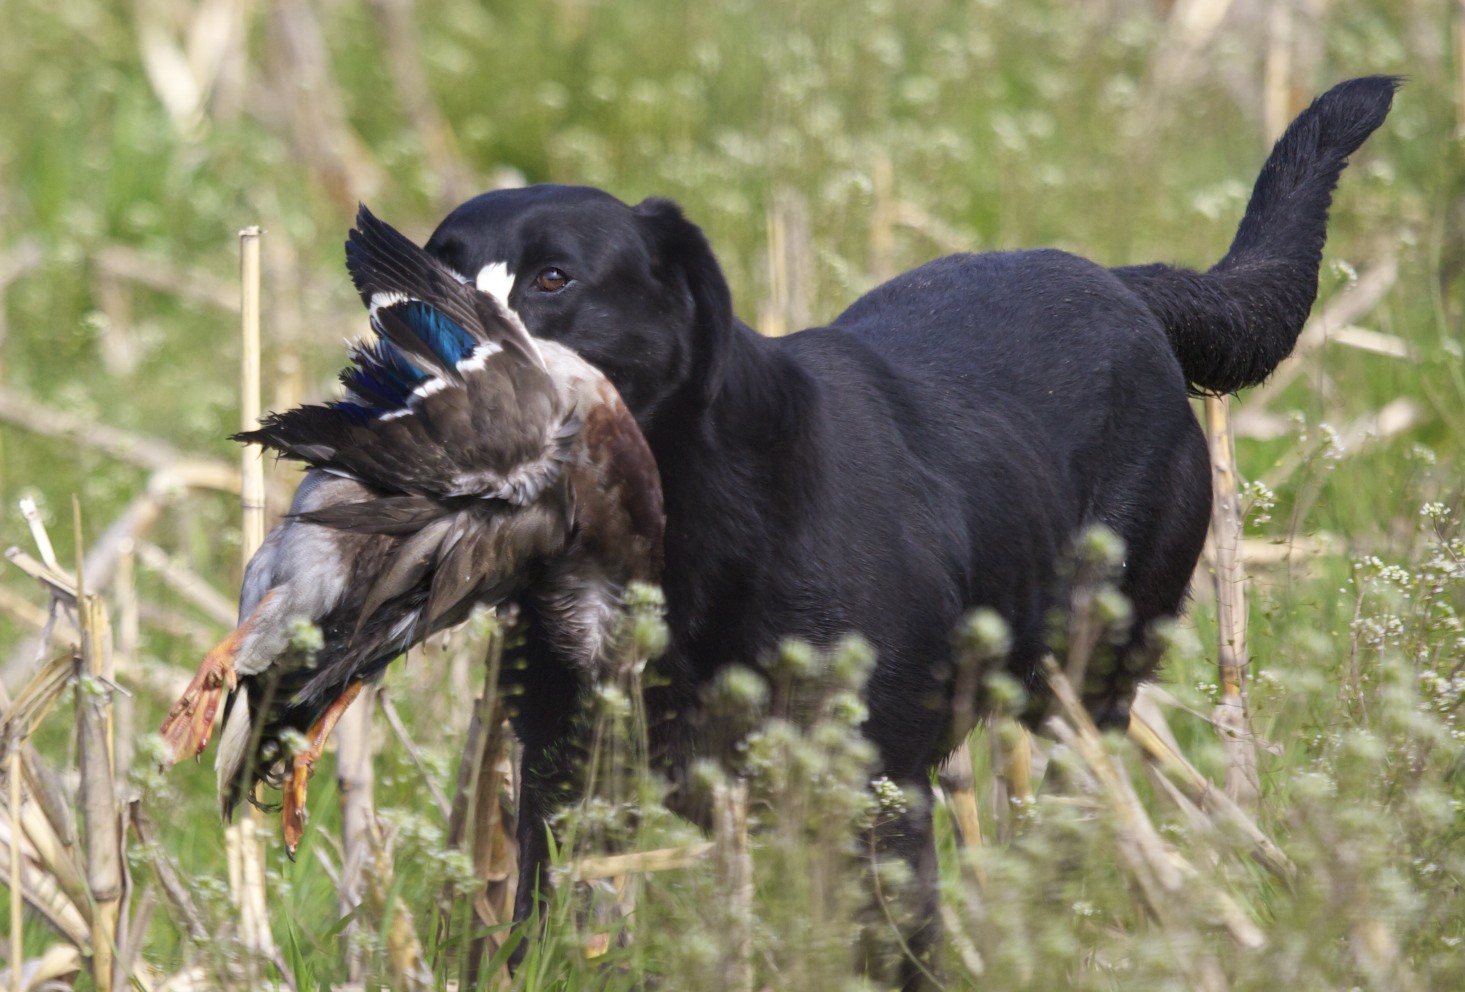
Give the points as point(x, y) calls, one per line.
point(311, 434)
point(374, 249)
point(382, 259)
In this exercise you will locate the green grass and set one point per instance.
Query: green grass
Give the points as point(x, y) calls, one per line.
point(1003, 126)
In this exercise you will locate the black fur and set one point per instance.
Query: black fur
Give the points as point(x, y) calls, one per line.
point(1233, 325)
point(936, 448)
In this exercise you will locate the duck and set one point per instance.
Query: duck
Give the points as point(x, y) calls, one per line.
point(465, 464)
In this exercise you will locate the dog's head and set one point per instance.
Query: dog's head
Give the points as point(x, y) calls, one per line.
point(635, 290)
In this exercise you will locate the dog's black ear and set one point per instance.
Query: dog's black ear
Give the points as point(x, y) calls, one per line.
point(681, 251)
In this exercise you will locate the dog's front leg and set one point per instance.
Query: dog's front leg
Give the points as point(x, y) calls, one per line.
point(546, 786)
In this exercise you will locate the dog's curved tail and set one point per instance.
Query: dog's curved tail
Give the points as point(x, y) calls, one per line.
point(1231, 326)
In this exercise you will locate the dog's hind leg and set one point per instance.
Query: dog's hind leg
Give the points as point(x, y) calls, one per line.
point(1163, 536)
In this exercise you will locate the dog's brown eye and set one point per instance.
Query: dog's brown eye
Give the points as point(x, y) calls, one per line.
point(552, 280)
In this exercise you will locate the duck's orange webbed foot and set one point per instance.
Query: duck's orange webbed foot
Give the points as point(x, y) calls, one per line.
point(190, 723)
point(302, 765)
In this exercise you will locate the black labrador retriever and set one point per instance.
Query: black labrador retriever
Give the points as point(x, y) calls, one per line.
point(935, 449)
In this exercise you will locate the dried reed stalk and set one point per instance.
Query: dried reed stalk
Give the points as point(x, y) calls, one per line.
point(1012, 773)
point(17, 887)
point(959, 786)
point(106, 552)
point(787, 306)
point(1165, 879)
point(1223, 817)
point(125, 649)
point(1457, 31)
point(58, 962)
point(58, 860)
point(494, 847)
point(34, 699)
point(32, 516)
point(1277, 70)
point(40, 888)
point(252, 488)
point(43, 829)
point(638, 862)
point(773, 322)
point(358, 817)
point(883, 214)
point(405, 962)
point(735, 876)
point(481, 819)
point(1231, 716)
point(245, 852)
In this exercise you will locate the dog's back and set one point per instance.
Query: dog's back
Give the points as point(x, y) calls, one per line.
point(1090, 368)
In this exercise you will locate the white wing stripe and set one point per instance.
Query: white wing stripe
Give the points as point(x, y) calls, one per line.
point(479, 358)
point(386, 298)
point(497, 281)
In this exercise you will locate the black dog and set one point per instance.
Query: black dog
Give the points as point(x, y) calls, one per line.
point(935, 449)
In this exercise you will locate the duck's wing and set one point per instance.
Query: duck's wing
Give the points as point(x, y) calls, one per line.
point(452, 399)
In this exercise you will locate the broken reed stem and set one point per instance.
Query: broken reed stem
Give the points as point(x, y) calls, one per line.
point(188, 585)
point(1230, 715)
point(98, 790)
point(174, 890)
point(394, 720)
point(125, 646)
point(32, 516)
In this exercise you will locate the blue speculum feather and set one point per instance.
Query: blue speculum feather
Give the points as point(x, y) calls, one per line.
point(382, 378)
point(447, 340)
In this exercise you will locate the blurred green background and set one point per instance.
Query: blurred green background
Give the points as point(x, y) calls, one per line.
point(823, 146)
